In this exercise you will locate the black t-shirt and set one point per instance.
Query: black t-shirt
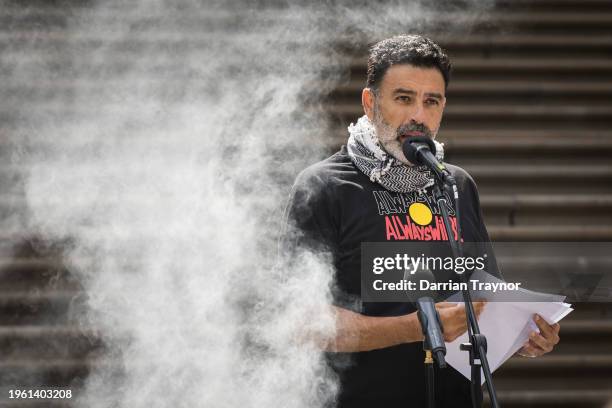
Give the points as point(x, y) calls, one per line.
point(335, 207)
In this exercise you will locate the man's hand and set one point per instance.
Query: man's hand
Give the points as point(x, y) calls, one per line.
point(543, 342)
point(453, 318)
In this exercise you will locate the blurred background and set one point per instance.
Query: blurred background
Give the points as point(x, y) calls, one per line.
point(529, 116)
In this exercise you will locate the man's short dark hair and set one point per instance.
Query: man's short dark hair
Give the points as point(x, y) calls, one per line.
point(414, 50)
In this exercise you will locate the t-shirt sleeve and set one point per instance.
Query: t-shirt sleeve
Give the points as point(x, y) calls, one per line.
point(308, 221)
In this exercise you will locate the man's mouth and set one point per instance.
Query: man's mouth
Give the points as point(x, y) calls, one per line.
point(408, 135)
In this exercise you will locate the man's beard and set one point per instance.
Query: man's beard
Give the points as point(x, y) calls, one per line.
point(389, 138)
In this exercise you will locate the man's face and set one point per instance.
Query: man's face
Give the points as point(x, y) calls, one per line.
point(409, 102)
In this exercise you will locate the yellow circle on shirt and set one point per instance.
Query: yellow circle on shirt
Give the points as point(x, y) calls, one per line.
point(420, 213)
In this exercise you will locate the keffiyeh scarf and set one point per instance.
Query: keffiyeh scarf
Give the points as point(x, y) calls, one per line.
point(369, 157)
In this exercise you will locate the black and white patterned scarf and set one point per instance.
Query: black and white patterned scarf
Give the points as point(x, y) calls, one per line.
point(369, 157)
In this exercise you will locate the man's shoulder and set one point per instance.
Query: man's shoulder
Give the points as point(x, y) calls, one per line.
point(461, 175)
point(333, 169)
point(465, 183)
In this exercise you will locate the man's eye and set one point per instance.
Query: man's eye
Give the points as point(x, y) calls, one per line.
point(432, 102)
point(404, 98)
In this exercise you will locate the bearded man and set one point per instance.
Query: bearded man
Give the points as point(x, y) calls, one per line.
point(353, 196)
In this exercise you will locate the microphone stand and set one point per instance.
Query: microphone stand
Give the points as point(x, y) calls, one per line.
point(477, 346)
point(431, 376)
point(433, 342)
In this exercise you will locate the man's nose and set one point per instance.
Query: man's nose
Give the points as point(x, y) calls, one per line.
point(416, 113)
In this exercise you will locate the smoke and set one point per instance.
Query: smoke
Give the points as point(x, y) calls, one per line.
point(161, 155)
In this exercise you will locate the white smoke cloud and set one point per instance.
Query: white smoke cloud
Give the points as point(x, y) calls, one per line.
point(166, 167)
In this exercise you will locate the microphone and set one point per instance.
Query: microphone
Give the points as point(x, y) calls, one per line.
point(421, 150)
point(430, 325)
point(429, 318)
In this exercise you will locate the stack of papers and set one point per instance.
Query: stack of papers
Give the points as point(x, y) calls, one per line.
point(507, 326)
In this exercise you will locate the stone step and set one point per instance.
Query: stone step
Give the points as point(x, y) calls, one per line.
point(170, 35)
point(519, 44)
point(465, 68)
point(24, 302)
point(480, 113)
point(8, 403)
point(456, 88)
point(546, 201)
point(499, 207)
point(56, 373)
point(600, 174)
point(16, 14)
point(543, 233)
point(205, 20)
point(463, 92)
point(34, 307)
point(60, 373)
point(35, 274)
point(512, 92)
point(546, 383)
point(560, 397)
point(473, 139)
point(506, 233)
point(48, 344)
point(46, 7)
point(465, 148)
point(547, 209)
point(562, 365)
point(568, 173)
point(541, 179)
point(518, 147)
point(509, 69)
point(476, 143)
point(176, 39)
point(547, 143)
point(528, 45)
point(42, 342)
point(567, 6)
point(478, 117)
point(556, 365)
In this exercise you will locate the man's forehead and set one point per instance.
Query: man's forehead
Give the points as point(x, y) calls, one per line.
point(408, 77)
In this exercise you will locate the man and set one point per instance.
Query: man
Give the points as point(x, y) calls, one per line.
point(362, 194)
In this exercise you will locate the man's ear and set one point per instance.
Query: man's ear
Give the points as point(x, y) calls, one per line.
point(367, 101)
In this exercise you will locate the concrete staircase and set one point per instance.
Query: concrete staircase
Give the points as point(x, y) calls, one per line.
point(529, 116)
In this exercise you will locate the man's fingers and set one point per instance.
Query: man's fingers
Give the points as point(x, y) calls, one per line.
point(543, 342)
point(479, 307)
point(545, 328)
point(540, 342)
point(548, 331)
point(528, 351)
point(443, 305)
point(477, 304)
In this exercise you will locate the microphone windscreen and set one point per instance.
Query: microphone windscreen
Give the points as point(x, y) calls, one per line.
point(410, 147)
point(410, 151)
point(423, 279)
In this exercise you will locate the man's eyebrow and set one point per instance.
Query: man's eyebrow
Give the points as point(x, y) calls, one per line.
point(411, 92)
point(404, 90)
point(433, 95)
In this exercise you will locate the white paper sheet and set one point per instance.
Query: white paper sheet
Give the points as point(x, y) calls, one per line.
point(507, 326)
